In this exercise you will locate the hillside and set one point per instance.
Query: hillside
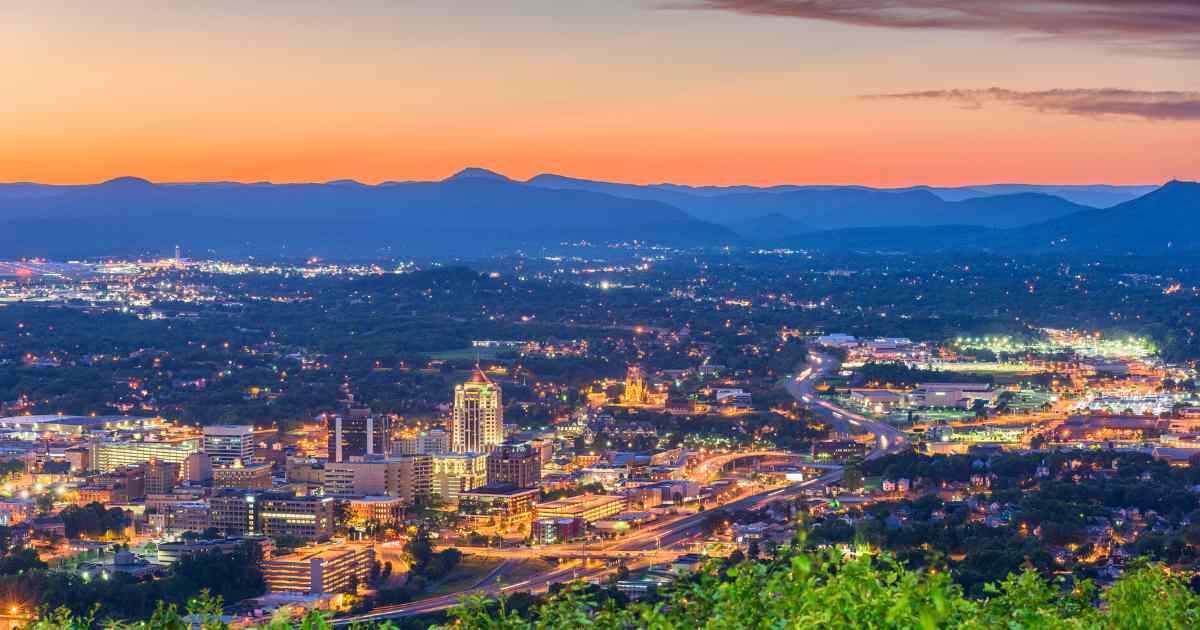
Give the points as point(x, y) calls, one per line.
point(838, 207)
point(1165, 218)
point(469, 213)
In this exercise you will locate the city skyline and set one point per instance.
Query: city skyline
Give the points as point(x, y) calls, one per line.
point(708, 92)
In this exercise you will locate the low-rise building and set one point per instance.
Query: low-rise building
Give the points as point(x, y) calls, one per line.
point(551, 531)
point(383, 511)
point(170, 552)
point(588, 507)
point(242, 477)
point(455, 473)
point(502, 507)
point(340, 568)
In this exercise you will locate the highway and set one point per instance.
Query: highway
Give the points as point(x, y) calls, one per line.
point(667, 532)
point(653, 537)
point(888, 439)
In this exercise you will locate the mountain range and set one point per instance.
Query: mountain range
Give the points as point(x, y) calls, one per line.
point(480, 212)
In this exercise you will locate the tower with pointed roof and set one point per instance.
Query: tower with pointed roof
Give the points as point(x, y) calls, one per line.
point(477, 422)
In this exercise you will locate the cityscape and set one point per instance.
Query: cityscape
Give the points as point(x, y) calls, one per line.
point(636, 315)
point(549, 439)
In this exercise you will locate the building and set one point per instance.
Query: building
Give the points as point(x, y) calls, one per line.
point(118, 486)
point(227, 443)
point(307, 517)
point(516, 464)
point(340, 568)
point(635, 392)
point(252, 477)
point(455, 473)
point(961, 395)
point(838, 449)
point(15, 511)
point(383, 511)
point(306, 471)
point(588, 507)
point(79, 458)
point(272, 513)
point(36, 427)
point(876, 400)
point(432, 442)
point(477, 421)
point(500, 507)
point(357, 433)
point(838, 340)
point(183, 516)
point(106, 456)
point(197, 468)
point(405, 477)
point(551, 531)
point(356, 478)
point(171, 552)
point(410, 477)
point(162, 477)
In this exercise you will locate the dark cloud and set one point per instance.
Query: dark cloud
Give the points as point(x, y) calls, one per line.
point(1164, 105)
point(1164, 27)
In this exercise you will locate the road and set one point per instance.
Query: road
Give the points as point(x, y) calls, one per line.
point(667, 532)
point(888, 439)
point(660, 535)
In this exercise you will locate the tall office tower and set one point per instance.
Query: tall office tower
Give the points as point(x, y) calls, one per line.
point(635, 387)
point(229, 443)
point(357, 433)
point(477, 423)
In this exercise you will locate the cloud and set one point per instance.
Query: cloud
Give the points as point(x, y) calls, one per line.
point(1161, 105)
point(1160, 27)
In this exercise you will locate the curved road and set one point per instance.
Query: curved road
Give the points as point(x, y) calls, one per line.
point(888, 439)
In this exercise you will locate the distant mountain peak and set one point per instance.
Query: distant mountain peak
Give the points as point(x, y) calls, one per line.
point(347, 183)
point(127, 182)
point(1179, 185)
point(474, 172)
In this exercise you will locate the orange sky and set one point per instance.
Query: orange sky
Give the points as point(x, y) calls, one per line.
point(370, 91)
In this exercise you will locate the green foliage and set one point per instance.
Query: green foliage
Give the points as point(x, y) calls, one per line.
point(232, 577)
point(93, 519)
point(824, 590)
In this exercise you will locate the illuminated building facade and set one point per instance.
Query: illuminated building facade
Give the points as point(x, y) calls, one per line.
point(109, 456)
point(229, 443)
point(455, 473)
point(324, 569)
point(636, 392)
point(477, 423)
point(587, 507)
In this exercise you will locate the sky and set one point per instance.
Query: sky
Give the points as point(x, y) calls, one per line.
point(875, 92)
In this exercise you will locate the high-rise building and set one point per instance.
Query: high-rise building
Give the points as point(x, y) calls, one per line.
point(229, 443)
point(518, 464)
point(477, 423)
point(357, 433)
